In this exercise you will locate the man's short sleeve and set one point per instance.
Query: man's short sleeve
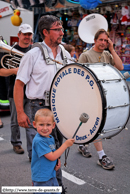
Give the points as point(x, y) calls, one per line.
point(83, 58)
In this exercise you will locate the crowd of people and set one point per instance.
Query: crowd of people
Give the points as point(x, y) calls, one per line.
point(27, 93)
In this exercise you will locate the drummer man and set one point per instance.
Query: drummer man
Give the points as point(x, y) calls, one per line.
point(98, 54)
point(37, 75)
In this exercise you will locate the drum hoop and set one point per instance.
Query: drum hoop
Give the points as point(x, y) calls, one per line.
point(129, 102)
point(104, 112)
point(104, 103)
point(129, 97)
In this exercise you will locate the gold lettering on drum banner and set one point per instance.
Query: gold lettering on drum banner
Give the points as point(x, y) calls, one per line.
point(91, 130)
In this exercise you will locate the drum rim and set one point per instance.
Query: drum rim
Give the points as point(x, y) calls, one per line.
point(129, 106)
point(122, 76)
point(104, 102)
point(129, 103)
point(129, 98)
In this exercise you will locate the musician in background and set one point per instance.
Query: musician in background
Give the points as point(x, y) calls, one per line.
point(3, 85)
point(98, 54)
point(37, 73)
point(25, 34)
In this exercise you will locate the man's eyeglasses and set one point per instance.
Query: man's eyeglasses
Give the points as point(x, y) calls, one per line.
point(57, 29)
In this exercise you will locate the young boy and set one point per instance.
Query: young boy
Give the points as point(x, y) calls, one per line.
point(44, 155)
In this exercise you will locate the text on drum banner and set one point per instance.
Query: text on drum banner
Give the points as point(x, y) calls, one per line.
point(66, 72)
point(54, 106)
point(76, 71)
point(91, 131)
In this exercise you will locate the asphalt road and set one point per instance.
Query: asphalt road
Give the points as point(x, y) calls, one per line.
point(82, 175)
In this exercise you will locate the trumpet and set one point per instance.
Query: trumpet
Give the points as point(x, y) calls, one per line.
point(12, 59)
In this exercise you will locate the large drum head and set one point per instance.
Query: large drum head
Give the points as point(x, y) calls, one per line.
point(75, 90)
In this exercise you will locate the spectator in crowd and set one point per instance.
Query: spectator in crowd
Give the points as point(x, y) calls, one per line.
point(71, 49)
point(98, 54)
point(25, 34)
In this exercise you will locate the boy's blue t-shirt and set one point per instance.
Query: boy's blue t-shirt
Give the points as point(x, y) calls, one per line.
point(42, 169)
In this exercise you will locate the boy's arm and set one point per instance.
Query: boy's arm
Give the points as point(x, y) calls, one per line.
point(56, 154)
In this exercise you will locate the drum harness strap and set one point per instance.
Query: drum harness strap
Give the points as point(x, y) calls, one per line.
point(49, 61)
point(46, 55)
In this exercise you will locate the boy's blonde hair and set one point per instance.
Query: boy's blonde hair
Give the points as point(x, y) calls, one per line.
point(44, 112)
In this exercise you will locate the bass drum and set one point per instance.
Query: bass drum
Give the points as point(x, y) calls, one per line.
point(97, 89)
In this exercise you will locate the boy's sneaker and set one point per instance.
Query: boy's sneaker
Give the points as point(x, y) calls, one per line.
point(106, 163)
point(18, 149)
point(84, 150)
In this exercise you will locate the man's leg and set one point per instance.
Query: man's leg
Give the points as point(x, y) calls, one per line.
point(83, 149)
point(58, 141)
point(103, 161)
point(59, 179)
point(15, 129)
point(31, 131)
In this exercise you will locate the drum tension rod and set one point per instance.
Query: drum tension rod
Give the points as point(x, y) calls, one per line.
point(111, 107)
point(107, 131)
point(108, 80)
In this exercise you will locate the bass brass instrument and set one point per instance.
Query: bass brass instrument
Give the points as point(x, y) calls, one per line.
point(89, 25)
point(12, 59)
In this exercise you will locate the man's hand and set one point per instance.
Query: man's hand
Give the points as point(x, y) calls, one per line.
point(110, 44)
point(8, 72)
point(15, 70)
point(117, 60)
point(23, 120)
